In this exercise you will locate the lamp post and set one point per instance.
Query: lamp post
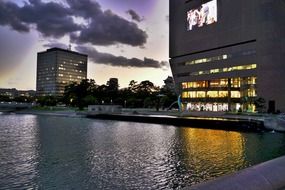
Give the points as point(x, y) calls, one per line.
point(158, 101)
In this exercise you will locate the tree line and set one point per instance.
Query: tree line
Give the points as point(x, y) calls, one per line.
point(137, 95)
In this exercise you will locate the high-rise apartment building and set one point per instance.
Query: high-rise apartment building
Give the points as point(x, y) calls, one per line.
point(57, 68)
point(226, 54)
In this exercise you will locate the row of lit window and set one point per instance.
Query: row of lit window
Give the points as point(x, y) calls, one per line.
point(210, 94)
point(75, 63)
point(206, 60)
point(75, 72)
point(219, 94)
point(219, 57)
point(59, 68)
point(224, 70)
point(249, 80)
point(46, 85)
point(71, 77)
point(234, 83)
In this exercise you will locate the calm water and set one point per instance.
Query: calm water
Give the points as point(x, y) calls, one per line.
point(40, 152)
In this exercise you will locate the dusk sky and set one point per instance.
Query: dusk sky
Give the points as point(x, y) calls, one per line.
point(126, 39)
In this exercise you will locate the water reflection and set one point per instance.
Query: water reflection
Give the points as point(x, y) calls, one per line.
point(134, 156)
point(211, 153)
point(76, 153)
point(18, 152)
point(63, 153)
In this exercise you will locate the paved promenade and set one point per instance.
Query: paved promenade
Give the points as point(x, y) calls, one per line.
point(67, 112)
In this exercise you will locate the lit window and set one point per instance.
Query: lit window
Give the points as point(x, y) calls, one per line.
point(223, 94)
point(201, 94)
point(227, 69)
point(235, 82)
point(184, 85)
point(184, 94)
point(212, 94)
point(251, 92)
point(235, 94)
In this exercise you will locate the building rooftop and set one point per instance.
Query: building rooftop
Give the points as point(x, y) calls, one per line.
point(64, 50)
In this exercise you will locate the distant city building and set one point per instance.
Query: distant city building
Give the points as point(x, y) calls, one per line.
point(226, 54)
point(9, 92)
point(57, 68)
point(27, 93)
point(13, 92)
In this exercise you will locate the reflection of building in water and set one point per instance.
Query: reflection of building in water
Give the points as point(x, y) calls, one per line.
point(229, 64)
point(210, 151)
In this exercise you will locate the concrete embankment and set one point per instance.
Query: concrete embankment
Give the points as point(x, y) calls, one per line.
point(204, 120)
point(269, 175)
point(66, 113)
point(199, 122)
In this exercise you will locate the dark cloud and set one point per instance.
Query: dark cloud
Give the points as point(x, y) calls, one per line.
point(105, 28)
point(54, 19)
point(56, 44)
point(121, 61)
point(85, 8)
point(50, 19)
point(8, 16)
point(134, 15)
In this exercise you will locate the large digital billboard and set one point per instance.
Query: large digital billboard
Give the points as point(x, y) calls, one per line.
point(204, 15)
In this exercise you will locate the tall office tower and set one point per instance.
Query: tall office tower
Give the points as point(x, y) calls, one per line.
point(225, 55)
point(57, 68)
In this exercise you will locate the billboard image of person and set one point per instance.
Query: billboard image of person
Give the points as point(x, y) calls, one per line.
point(204, 15)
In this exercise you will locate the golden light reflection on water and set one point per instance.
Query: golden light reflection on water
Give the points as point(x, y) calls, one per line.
point(218, 150)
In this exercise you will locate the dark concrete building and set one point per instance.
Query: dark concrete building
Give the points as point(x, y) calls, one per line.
point(225, 54)
point(57, 68)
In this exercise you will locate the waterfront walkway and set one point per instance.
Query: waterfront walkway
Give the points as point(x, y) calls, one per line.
point(269, 175)
point(215, 120)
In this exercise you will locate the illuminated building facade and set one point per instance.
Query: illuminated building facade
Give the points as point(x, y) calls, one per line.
point(230, 59)
point(57, 68)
